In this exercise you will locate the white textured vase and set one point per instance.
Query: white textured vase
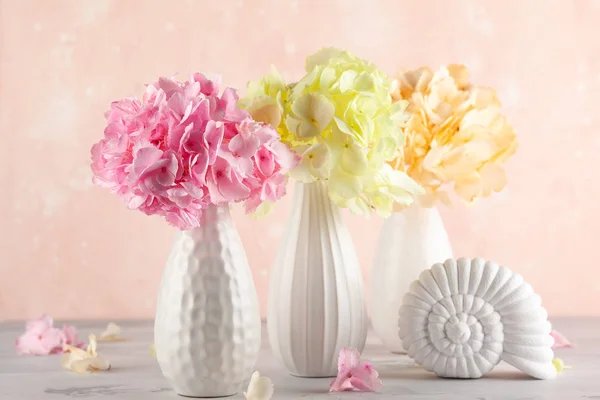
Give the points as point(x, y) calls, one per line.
point(207, 326)
point(409, 243)
point(316, 297)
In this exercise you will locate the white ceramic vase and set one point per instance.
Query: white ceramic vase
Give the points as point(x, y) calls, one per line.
point(207, 329)
point(316, 297)
point(410, 241)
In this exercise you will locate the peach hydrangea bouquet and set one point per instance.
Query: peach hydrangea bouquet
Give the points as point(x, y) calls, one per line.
point(456, 135)
point(341, 119)
point(183, 146)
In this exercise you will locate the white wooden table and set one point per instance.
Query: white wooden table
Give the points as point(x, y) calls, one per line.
point(135, 374)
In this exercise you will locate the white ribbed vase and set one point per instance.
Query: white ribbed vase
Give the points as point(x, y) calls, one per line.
point(409, 243)
point(316, 297)
point(207, 326)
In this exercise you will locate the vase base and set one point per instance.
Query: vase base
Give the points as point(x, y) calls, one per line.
point(189, 396)
point(312, 376)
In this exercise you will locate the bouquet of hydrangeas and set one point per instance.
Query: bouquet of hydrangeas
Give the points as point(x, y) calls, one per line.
point(341, 119)
point(456, 135)
point(183, 146)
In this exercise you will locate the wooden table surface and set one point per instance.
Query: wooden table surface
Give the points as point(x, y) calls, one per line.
point(135, 374)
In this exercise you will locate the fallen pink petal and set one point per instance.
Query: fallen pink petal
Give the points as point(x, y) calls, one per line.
point(71, 338)
point(560, 342)
point(354, 375)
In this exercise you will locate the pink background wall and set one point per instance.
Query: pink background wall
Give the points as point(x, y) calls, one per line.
point(73, 250)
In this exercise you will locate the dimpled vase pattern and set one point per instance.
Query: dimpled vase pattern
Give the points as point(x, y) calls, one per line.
point(207, 328)
point(316, 298)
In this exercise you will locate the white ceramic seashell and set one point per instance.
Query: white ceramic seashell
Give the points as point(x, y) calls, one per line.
point(464, 316)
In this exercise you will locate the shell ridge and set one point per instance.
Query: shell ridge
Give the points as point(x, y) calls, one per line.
point(514, 283)
point(531, 303)
point(450, 268)
point(521, 293)
point(441, 279)
point(464, 274)
point(412, 300)
point(430, 285)
point(502, 277)
point(418, 290)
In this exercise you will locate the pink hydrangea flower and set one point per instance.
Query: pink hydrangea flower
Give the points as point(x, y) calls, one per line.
point(183, 147)
point(42, 338)
point(560, 342)
point(354, 374)
point(71, 338)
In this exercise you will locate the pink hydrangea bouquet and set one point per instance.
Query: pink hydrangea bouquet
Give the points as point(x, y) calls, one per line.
point(184, 146)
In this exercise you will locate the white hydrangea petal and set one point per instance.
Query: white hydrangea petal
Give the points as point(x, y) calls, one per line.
point(112, 333)
point(259, 388)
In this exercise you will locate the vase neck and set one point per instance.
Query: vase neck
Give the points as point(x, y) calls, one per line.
point(313, 193)
point(421, 214)
point(318, 188)
point(211, 216)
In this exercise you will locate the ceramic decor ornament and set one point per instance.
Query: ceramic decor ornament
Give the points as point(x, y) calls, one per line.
point(184, 151)
point(341, 119)
point(410, 242)
point(462, 317)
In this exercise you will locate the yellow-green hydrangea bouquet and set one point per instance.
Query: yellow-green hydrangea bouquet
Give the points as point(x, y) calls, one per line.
point(340, 117)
